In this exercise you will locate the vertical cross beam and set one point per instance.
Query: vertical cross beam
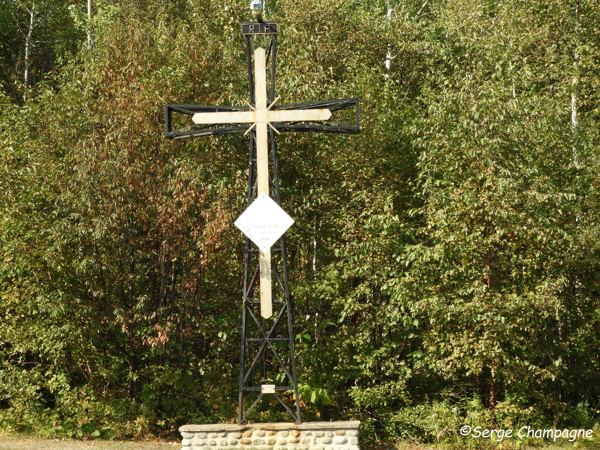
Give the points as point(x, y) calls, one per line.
point(262, 174)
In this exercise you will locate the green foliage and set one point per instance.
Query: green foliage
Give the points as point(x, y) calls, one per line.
point(313, 394)
point(37, 36)
point(443, 264)
point(436, 422)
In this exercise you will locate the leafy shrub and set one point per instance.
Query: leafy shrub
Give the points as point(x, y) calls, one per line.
point(435, 422)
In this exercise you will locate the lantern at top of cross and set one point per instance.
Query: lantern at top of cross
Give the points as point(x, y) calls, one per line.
point(256, 6)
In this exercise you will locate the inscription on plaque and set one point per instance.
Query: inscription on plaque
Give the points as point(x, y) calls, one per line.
point(259, 28)
point(264, 222)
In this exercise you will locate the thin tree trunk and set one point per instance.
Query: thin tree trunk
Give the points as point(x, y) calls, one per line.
point(317, 227)
point(89, 32)
point(388, 56)
point(28, 43)
point(132, 363)
point(492, 387)
point(492, 400)
point(574, 83)
point(131, 329)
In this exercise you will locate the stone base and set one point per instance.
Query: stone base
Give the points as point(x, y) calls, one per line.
point(272, 436)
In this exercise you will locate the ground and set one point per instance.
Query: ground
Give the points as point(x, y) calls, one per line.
point(27, 443)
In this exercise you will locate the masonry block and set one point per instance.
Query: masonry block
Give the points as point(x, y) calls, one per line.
point(272, 436)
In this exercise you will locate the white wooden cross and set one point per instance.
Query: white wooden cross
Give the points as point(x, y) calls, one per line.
point(262, 117)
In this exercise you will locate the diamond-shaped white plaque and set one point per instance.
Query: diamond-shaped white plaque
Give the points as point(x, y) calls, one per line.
point(264, 222)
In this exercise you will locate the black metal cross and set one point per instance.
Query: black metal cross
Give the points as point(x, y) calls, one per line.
point(278, 337)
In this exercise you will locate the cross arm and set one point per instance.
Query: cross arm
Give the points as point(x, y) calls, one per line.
point(202, 129)
point(326, 127)
point(232, 119)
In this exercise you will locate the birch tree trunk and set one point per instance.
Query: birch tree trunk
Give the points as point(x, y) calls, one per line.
point(28, 43)
point(574, 84)
point(89, 31)
point(388, 56)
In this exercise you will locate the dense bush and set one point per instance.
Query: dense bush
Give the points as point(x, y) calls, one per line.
point(444, 263)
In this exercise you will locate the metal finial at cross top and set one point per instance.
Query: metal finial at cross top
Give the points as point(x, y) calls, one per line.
point(262, 119)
